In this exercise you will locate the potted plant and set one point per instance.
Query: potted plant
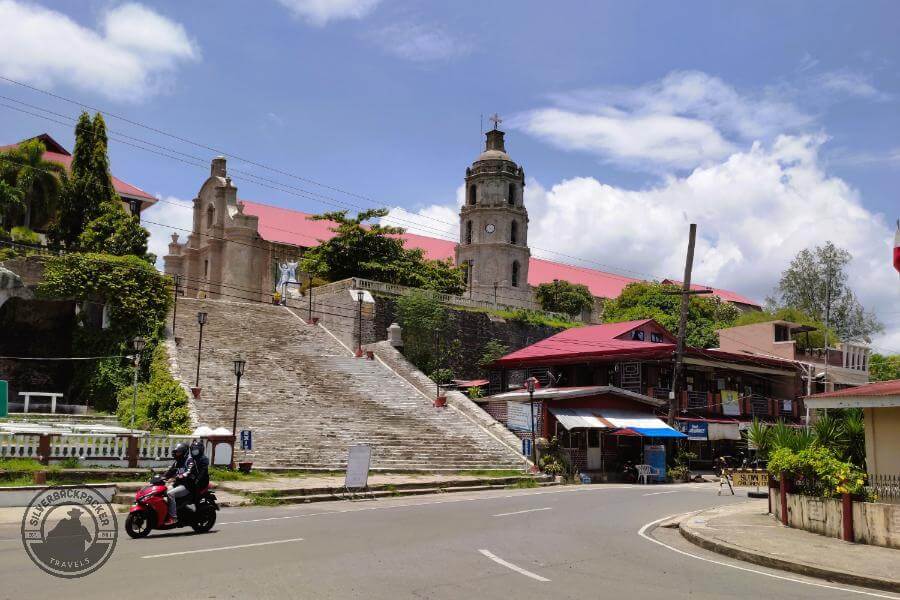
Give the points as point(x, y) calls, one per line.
point(195, 392)
point(245, 466)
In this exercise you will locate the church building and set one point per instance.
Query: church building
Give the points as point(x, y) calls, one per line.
point(236, 246)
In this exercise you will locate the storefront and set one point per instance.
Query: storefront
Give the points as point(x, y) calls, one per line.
point(709, 439)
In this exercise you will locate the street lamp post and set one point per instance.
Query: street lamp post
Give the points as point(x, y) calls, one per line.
point(529, 384)
point(239, 364)
point(139, 343)
point(201, 320)
point(359, 297)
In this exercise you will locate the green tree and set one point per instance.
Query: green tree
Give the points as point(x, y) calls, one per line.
point(660, 302)
point(115, 232)
point(884, 368)
point(90, 189)
point(10, 203)
point(816, 282)
point(564, 297)
point(493, 350)
point(162, 404)
point(375, 251)
point(38, 181)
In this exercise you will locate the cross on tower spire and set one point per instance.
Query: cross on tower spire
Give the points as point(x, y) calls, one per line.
point(496, 120)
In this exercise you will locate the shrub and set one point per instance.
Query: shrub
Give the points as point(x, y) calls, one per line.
point(24, 235)
point(816, 471)
point(162, 405)
point(492, 350)
point(564, 297)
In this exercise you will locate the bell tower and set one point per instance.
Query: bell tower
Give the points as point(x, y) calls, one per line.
point(493, 226)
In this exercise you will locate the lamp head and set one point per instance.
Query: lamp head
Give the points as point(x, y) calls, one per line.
point(139, 344)
point(201, 318)
point(529, 385)
point(239, 364)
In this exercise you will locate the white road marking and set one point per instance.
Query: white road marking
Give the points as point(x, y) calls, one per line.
point(658, 493)
point(448, 501)
point(521, 512)
point(509, 565)
point(223, 548)
point(643, 533)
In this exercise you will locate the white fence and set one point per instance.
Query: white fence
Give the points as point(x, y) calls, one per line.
point(100, 449)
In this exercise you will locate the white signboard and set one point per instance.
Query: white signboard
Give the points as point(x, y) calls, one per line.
point(518, 416)
point(730, 402)
point(358, 462)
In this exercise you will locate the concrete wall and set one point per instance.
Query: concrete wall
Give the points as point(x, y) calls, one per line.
point(874, 523)
point(883, 440)
point(756, 337)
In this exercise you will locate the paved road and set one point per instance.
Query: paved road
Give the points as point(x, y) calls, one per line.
point(572, 542)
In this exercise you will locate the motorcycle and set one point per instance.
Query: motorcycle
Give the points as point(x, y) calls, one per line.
point(151, 506)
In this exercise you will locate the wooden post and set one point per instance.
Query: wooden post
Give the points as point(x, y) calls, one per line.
point(846, 517)
point(678, 375)
point(783, 490)
point(44, 449)
point(132, 452)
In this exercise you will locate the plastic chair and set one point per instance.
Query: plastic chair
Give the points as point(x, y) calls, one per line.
point(645, 472)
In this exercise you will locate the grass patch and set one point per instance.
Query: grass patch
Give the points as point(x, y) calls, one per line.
point(22, 464)
point(265, 498)
point(392, 489)
point(523, 484)
point(24, 480)
point(492, 472)
point(222, 474)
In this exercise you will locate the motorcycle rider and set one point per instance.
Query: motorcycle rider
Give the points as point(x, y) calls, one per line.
point(184, 471)
point(202, 463)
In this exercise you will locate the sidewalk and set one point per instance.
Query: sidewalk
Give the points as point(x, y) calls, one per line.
point(746, 532)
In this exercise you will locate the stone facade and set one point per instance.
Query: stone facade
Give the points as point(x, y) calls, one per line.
point(225, 256)
point(493, 226)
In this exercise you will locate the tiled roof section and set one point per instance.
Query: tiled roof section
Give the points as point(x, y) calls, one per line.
point(879, 388)
point(288, 226)
point(123, 188)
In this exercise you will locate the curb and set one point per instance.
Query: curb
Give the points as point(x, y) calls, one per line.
point(768, 560)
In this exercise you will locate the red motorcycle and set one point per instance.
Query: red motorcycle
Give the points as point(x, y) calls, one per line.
point(151, 506)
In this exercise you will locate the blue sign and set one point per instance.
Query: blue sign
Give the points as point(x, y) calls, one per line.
point(526, 446)
point(246, 439)
point(655, 456)
point(696, 430)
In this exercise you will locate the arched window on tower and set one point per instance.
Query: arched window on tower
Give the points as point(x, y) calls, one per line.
point(473, 190)
point(514, 233)
point(210, 216)
point(511, 198)
point(468, 232)
point(467, 273)
point(514, 278)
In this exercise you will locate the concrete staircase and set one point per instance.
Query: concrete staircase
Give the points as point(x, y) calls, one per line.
point(307, 399)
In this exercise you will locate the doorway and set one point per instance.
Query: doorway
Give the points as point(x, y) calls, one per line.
point(594, 451)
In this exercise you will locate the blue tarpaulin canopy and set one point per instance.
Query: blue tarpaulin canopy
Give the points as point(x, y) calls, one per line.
point(627, 422)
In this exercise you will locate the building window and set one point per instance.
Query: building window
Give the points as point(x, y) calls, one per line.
point(511, 199)
point(468, 232)
point(637, 335)
point(206, 269)
point(514, 233)
point(782, 333)
point(515, 274)
point(473, 190)
point(210, 216)
point(656, 337)
point(467, 272)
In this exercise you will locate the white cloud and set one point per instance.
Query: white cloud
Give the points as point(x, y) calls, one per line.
point(129, 55)
point(320, 12)
point(686, 119)
point(421, 43)
point(851, 83)
point(173, 216)
point(755, 210)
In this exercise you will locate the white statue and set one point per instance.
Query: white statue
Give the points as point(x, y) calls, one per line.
point(288, 274)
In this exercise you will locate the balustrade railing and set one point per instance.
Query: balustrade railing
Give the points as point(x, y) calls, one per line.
point(885, 488)
point(18, 445)
point(107, 447)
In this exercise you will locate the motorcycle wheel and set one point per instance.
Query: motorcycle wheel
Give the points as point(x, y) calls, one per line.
point(206, 518)
point(137, 525)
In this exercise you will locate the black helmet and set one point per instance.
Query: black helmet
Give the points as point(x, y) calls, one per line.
point(180, 450)
point(197, 448)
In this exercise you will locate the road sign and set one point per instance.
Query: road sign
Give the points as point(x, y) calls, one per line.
point(526, 446)
point(246, 439)
point(4, 398)
point(358, 462)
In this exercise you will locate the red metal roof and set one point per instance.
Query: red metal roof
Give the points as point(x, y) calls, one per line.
point(595, 341)
point(293, 227)
point(64, 158)
point(879, 388)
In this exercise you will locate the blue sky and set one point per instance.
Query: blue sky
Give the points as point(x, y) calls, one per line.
point(773, 125)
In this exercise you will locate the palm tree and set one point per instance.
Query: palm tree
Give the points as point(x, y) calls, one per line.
point(759, 437)
point(831, 433)
point(37, 180)
point(855, 428)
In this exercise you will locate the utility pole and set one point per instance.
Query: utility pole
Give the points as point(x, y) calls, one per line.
point(685, 292)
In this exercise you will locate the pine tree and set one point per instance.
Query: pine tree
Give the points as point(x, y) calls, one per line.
point(90, 184)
